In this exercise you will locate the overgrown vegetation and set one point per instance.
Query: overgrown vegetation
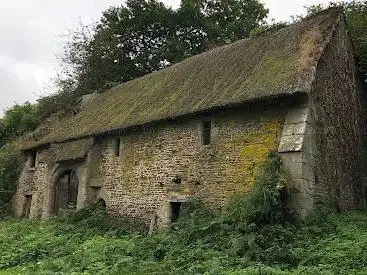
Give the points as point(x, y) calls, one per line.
point(10, 164)
point(17, 121)
point(356, 16)
point(89, 243)
point(252, 236)
point(142, 36)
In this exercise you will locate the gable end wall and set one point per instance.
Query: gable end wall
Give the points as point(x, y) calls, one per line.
point(336, 102)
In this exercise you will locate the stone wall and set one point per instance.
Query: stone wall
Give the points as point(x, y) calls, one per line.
point(320, 145)
point(39, 183)
point(32, 182)
point(298, 151)
point(140, 181)
point(336, 101)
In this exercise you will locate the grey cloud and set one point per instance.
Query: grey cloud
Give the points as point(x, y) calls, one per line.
point(12, 89)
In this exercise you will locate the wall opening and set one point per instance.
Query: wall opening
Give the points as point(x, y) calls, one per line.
point(101, 204)
point(32, 159)
point(66, 191)
point(117, 147)
point(177, 179)
point(175, 211)
point(27, 206)
point(206, 132)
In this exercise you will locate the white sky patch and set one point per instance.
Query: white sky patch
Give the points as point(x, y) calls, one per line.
point(282, 10)
point(32, 37)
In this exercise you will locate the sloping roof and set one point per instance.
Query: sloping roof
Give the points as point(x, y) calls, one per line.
point(275, 63)
point(71, 150)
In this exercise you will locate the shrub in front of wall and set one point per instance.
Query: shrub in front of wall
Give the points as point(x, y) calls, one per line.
point(10, 165)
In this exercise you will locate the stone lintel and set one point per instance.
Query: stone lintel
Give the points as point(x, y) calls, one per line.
point(96, 183)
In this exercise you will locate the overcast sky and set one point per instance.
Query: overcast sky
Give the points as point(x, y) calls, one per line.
point(31, 36)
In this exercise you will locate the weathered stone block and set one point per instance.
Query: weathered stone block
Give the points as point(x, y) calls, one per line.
point(291, 143)
point(297, 115)
point(294, 129)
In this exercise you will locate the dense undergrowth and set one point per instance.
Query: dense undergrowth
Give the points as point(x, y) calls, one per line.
point(87, 243)
point(254, 235)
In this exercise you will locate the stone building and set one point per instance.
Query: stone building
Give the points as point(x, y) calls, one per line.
point(203, 127)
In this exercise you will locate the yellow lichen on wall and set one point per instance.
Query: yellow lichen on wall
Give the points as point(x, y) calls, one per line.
point(140, 181)
point(250, 151)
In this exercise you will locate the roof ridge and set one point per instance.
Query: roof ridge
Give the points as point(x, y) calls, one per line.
point(324, 45)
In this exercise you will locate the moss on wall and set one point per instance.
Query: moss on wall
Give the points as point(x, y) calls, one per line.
point(250, 150)
point(139, 182)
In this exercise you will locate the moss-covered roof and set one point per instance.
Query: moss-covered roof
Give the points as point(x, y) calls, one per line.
point(275, 63)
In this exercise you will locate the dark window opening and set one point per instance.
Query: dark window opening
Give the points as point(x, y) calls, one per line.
point(206, 132)
point(177, 179)
point(175, 211)
point(117, 147)
point(101, 204)
point(27, 206)
point(33, 158)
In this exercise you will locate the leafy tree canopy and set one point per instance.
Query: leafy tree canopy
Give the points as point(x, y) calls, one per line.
point(18, 120)
point(143, 36)
point(356, 17)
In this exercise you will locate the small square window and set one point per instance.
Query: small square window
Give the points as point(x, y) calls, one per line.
point(206, 132)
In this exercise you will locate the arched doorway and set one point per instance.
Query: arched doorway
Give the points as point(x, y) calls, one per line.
point(101, 204)
point(66, 191)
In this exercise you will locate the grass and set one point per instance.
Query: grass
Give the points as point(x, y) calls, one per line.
point(89, 243)
point(253, 235)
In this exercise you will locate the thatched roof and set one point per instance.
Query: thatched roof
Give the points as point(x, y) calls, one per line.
point(275, 63)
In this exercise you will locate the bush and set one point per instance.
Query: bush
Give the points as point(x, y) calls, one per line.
point(265, 202)
point(239, 240)
point(10, 166)
point(19, 120)
point(86, 243)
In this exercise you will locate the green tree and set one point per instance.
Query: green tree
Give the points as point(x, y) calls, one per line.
point(356, 15)
point(356, 18)
point(10, 165)
point(129, 41)
point(143, 36)
point(18, 120)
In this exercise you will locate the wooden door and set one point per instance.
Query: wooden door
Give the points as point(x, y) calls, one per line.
point(73, 189)
point(61, 193)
